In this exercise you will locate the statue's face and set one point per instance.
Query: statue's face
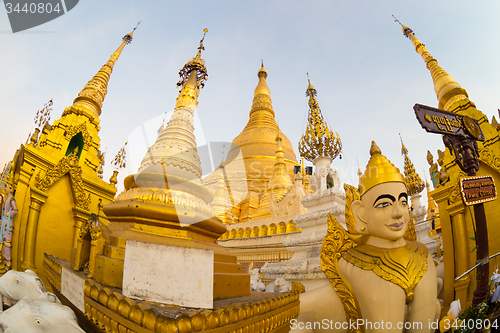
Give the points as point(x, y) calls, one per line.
point(8, 189)
point(385, 211)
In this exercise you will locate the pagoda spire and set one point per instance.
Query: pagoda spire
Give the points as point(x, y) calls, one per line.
point(221, 203)
point(262, 113)
point(92, 95)
point(174, 151)
point(414, 183)
point(448, 91)
point(319, 139)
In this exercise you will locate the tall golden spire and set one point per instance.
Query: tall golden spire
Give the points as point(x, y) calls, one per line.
point(319, 139)
point(448, 91)
point(174, 152)
point(92, 95)
point(414, 183)
point(262, 112)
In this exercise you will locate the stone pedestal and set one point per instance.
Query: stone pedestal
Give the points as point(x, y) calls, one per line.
point(305, 265)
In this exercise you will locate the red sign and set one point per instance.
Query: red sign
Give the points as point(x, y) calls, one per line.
point(475, 190)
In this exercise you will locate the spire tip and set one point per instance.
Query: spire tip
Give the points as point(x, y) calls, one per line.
point(406, 30)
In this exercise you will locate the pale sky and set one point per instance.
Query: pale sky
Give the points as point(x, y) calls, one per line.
point(367, 74)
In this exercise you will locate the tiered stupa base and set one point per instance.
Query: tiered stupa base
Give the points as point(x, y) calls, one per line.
point(156, 223)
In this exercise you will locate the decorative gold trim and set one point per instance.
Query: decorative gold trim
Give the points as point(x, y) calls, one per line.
point(336, 242)
point(411, 233)
point(454, 195)
point(112, 312)
point(318, 139)
point(351, 194)
point(404, 266)
point(68, 164)
point(82, 128)
point(297, 286)
point(490, 158)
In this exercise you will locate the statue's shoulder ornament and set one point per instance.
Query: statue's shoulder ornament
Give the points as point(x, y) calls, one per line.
point(403, 266)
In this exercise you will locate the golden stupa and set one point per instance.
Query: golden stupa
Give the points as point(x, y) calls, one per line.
point(254, 151)
point(456, 221)
point(58, 180)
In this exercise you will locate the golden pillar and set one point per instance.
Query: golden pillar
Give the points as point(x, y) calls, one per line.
point(461, 286)
point(37, 199)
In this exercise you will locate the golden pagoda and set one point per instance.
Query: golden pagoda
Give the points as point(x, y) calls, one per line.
point(264, 203)
point(254, 149)
point(56, 177)
point(456, 221)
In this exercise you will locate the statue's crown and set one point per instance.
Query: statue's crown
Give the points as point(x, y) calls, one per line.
point(378, 170)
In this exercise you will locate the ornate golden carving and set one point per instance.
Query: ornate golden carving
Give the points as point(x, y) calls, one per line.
point(93, 226)
point(167, 196)
point(120, 160)
point(403, 266)
point(319, 139)
point(336, 243)
point(297, 286)
point(196, 64)
point(68, 164)
point(82, 128)
point(454, 195)
point(411, 233)
point(351, 194)
point(413, 182)
point(489, 157)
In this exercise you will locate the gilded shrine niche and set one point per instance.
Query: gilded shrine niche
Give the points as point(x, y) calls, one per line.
point(92, 237)
point(81, 129)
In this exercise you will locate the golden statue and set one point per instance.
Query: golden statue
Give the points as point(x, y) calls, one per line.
point(380, 279)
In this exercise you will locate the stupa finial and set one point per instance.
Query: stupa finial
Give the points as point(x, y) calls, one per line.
point(195, 64)
point(414, 183)
point(448, 91)
point(318, 139)
point(93, 94)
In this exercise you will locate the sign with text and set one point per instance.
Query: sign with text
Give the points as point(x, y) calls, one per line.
point(476, 190)
point(443, 122)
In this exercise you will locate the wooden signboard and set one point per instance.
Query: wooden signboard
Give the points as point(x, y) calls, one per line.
point(476, 190)
point(444, 122)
